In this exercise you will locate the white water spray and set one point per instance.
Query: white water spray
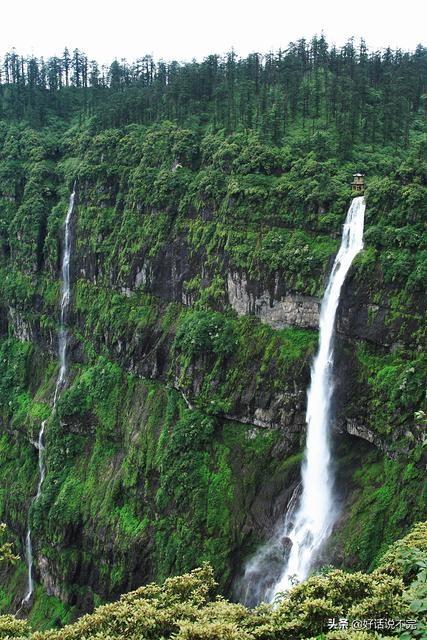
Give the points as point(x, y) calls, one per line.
point(60, 381)
point(307, 525)
point(65, 299)
point(316, 514)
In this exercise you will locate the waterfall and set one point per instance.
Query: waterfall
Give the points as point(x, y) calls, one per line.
point(312, 514)
point(65, 299)
point(60, 381)
point(28, 545)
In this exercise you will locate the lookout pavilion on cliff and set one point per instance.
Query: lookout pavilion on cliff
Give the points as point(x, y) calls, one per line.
point(358, 184)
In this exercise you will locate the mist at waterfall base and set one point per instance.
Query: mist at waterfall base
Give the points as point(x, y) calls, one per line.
point(292, 550)
point(60, 381)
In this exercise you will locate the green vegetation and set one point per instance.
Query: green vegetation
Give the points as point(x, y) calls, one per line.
point(6, 549)
point(390, 494)
point(358, 94)
point(115, 448)
point(186, 607)
point(205, 332)
point(49, 612)
point(191, 178)
point(395, 384)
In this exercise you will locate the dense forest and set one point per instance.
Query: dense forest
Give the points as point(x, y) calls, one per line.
point(364, 96)
point(209, 203)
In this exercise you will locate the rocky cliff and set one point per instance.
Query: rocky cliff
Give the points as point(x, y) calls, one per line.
point(196, 290)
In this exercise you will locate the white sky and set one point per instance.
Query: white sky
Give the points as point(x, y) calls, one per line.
point(186, 29)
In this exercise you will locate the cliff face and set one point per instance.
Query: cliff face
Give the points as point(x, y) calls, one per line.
point(195, 305)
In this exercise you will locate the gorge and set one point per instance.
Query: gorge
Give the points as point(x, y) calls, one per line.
point(170, 420)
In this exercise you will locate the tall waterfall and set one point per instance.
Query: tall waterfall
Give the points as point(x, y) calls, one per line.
point(311, 513)
point(60, 381)
point(65, 299)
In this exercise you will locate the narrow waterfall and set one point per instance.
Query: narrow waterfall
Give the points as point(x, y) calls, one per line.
point(65, 299)
point(311, 514)
point(28, 544)
point(60, 381)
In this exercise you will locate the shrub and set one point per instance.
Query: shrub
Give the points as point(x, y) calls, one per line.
point(202, 332)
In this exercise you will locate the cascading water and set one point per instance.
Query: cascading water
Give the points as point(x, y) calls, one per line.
point(316, 514)
point(28, 545)
point(65, 299)
point(60, 381)
point(309, 522)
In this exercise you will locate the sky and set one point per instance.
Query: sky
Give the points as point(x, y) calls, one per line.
point(186, 29)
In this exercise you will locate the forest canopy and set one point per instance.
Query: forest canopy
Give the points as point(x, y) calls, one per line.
point(358, 95)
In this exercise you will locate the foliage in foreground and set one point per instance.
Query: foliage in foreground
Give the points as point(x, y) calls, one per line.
point(186, 608)
point(6, 552)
